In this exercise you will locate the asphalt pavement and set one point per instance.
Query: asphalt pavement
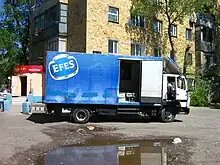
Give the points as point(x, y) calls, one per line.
point(24, 137)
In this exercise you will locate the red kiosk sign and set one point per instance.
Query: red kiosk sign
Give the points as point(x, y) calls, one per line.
point(29, 69)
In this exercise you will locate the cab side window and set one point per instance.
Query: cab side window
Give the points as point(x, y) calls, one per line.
point(181, 83)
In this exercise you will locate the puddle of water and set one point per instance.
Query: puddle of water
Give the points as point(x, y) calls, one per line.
point(101, 152)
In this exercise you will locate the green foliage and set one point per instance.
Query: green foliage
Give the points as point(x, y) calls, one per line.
point(14, 36)
point(173, 11)
point(200, 96)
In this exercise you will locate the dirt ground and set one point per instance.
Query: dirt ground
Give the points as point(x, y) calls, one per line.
point(25, 139)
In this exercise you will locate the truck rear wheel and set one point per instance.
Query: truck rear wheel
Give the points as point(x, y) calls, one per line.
point(80, 115)
point(166, 115)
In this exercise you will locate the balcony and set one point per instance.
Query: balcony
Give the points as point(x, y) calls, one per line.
point(42, 7)
point(205, 20)
point(205, 46)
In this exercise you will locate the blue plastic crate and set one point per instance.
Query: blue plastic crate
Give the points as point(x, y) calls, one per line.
point(26, 107)
point(7, 105)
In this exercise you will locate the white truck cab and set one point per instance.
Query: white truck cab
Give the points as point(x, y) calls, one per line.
point(177, 100)
point(182, 95)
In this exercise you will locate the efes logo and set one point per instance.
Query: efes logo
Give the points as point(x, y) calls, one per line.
point(63, 66)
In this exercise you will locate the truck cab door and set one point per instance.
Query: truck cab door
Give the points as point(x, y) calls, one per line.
point(181, 89)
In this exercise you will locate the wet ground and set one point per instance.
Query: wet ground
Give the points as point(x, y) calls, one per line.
point(36, 139)
point(101, 146)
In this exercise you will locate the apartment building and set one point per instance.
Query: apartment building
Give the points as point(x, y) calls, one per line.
point(102, 26)
point(48, 28)
point(205, 40)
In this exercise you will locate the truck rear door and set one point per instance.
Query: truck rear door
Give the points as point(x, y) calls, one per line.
point(151, 81)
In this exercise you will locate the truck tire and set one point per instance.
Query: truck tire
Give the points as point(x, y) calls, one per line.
point(80, 115)
point(166, 115)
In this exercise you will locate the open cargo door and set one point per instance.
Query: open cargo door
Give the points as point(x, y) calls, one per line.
point(151, 81)
point(170, 66)
point(16, 86)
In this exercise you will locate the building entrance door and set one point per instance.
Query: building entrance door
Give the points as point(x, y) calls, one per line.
point(23, 85)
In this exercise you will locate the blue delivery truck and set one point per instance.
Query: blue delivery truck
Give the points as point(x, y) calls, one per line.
point(108, 84)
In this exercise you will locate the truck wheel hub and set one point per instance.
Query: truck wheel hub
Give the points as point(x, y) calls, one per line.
point(81, 115)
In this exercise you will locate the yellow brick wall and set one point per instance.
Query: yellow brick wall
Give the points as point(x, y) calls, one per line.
point(99, 30)
point(76, 26)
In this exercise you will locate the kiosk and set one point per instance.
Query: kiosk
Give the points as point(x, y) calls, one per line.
point(28, 80)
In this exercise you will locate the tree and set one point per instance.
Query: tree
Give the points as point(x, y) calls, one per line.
point(187, 59)
point(14, 35)
point(15, 19)
point(173, 12)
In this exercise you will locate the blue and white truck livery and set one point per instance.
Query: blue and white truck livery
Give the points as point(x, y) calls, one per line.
point(107, 84)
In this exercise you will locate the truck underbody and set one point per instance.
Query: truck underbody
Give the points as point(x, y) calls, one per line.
point(81, 113)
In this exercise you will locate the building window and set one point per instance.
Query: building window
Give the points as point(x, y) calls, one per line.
point(138, 21)
point(207, 34)
point(113, 46)
point(52, 44)
point(63, 13)
point(158, 52)
point(37, 20)
point(47, 19)
point(113, 14)
point(189, 59)
point(209, 59)
point(62, 44)
point(138, 50)
point(42, 22)
point(158, 26)
point(189, 34)
point(173, 30)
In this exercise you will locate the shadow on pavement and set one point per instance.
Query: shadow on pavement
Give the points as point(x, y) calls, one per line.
point(214, 106)
point(45, 118)
point(124, 119)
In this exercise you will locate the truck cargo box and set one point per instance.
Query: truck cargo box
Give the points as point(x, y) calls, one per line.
point(81, 78)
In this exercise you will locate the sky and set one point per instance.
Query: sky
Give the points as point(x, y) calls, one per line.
point(1, 4)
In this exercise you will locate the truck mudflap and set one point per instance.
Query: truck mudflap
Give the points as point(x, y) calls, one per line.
point(184, 111)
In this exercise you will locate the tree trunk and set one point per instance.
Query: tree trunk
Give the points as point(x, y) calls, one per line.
point(173, 51)
point(185, 63)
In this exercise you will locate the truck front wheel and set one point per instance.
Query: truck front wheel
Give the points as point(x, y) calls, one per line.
point(166, 115)
point(80, 115)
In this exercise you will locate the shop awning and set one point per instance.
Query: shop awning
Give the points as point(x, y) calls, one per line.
point(170, 66)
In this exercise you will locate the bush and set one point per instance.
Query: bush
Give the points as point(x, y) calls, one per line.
point(200, 96)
